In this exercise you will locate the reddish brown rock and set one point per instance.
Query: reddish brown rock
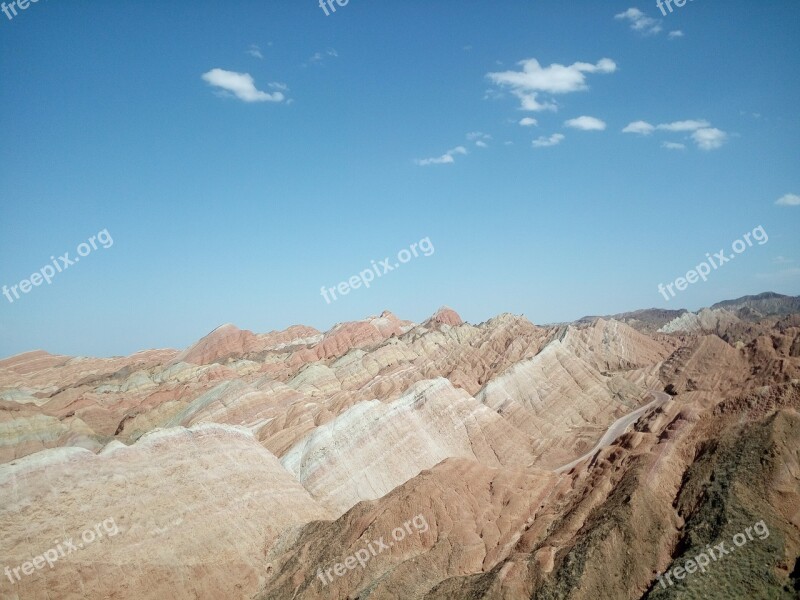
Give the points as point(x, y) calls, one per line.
point(538, 456)
point(446, 316)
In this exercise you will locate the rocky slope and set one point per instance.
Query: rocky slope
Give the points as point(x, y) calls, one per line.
point(270, 465)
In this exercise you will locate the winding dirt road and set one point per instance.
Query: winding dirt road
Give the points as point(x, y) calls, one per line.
point(618, 428)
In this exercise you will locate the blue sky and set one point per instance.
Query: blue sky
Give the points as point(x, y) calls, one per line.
point(243, 155)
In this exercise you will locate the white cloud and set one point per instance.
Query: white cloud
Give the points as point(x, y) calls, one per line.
point(479, 138)
point(478, 135)
point(675, 34)
point(240, 85)
point(788, 200)
point(684, 125)
point(702, 133)
point(255, 51)
point(585, 123)
point(639, 21)
point(709, 138)
point(531, 102)
point(493, 94)
point(318, 58)
point(544, 142)
point(528, 122)
point(640, 127)
point(445, 159)
point(555, 79)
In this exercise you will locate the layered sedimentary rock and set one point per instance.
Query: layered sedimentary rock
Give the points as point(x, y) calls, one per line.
point(24, 432)
point(373, 447)
point(708, 319)
point(472, 517)
point(516, 460)
point(195, 511)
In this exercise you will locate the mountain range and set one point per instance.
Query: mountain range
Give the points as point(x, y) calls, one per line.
point(575, 460)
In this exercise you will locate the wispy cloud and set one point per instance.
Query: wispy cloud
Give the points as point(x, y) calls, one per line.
point(788, 200)
point(240, 85)
point(640, 127)
point(640, 22)
point(447, 158)
point(479, 138)
point(318, 58)
point(528, 122)
point(673, 146)
point(585, 123)
point(645, 128)
point(703, 134)
point(684, 125)
point(493, 94)
point(546, 142)
point(534, 79)
point(675, 34)
point(478, 135)
point(255, 51)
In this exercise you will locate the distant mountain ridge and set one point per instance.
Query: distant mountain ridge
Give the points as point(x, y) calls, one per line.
point(746, 308)
point(768, 304)
point(250, 466)
point(646, 319)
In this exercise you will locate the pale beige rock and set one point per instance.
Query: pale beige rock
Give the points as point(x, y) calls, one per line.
point(707, 319)
point(196, 511)
point(22, 434)
point(304, 445)
point(614, 346)
point(469, 517)
point(558, 396)
point(372, 448)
